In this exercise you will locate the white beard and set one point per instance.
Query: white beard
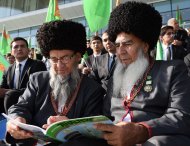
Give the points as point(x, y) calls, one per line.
point(125, 77)
point(63, 86)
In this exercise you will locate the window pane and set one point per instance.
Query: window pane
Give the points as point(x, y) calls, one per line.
point(34, 30)
point(41, 4)
point(24, 32)
point(13, 34)
point(17, 7)
point(5, 8)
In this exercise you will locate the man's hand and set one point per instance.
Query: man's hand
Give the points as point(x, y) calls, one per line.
point(53, 119)
point(86, 70)
point(177, 42)
point(15, 131)
point(123, 133)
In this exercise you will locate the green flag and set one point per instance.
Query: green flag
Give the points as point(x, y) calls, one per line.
point(159, 51)
point(84, 59)
point(88, 33)
point(179, 17)
point(3, 64)
point(53, 11)
point(85, 56)
point(29, 42)
point(5, 42)
point(97, 13)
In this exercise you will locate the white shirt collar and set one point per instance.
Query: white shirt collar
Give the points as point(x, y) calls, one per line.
point(95, 55)
point(22, 62)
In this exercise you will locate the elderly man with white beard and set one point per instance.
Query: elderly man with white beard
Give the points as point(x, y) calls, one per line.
point(149, 100)
point(62, 93)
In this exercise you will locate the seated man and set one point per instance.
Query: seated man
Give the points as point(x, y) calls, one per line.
point(62, 92)
point(150, 100)
point(17, 75)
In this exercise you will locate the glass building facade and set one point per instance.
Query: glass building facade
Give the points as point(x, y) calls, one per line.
point(11, 8)
point(15, 7)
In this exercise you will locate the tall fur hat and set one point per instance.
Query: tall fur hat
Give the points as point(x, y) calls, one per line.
point(61, 35)
point(136, 18)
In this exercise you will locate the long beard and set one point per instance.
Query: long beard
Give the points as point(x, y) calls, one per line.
point(125, 77)
point(63, 86)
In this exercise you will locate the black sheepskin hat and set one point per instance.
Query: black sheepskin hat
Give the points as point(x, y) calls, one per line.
point(61, 35)
point(137, 18)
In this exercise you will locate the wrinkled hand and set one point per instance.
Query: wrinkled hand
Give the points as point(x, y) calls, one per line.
point(123, 133)
point(15, 131)
point(53, 119)
point(86, 70)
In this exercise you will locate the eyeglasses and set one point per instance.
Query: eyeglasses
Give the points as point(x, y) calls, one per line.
point(170, 33)
point(63, 59)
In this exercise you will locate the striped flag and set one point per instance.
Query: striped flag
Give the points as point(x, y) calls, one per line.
point(179, 17)
point(5, 42)
point(3, 65)
point(53, 11)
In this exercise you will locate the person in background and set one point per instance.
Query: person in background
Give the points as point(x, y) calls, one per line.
point(180, 35)
point(88, 49)
point(105, 64)
point(170, 51)
point(32, 54)
point(148, 100)
point(17, 75)
point(46, 61)
point(10, 58)
point(61, 93)
point(87, 63)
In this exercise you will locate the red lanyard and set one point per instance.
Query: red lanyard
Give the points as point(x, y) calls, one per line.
point(136, 89)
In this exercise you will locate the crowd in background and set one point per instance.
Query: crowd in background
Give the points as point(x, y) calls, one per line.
point(99, 68)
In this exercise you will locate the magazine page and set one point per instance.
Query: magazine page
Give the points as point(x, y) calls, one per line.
point(38, 132)
point(65, 130)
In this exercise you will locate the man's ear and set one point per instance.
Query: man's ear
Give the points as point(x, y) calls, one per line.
point(78, 56)
point(146, 48)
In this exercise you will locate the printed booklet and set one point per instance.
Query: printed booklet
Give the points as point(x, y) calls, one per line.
point(67, 129)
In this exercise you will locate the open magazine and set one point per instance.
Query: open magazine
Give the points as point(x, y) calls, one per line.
point(67, 129)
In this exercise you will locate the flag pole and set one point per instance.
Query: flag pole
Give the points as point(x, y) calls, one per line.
point(118, 2)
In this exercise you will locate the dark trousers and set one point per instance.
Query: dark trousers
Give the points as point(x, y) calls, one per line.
point(11, 98)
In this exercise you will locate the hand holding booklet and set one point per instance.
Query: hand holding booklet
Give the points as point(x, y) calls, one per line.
point(65, 130)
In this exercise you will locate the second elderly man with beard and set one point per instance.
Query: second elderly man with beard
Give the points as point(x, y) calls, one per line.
point(150, 100)
point(62, 93)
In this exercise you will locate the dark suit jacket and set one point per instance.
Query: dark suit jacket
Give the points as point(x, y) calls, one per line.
point(165, 110)
point(187, 62)
point(36, 107)
point(101, 72)
point(178, 52)
point(30, 67)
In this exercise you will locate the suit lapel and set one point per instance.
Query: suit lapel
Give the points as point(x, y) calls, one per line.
point(106, 61)
point(26, 70)
point(113, 67)
point(11, 76)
